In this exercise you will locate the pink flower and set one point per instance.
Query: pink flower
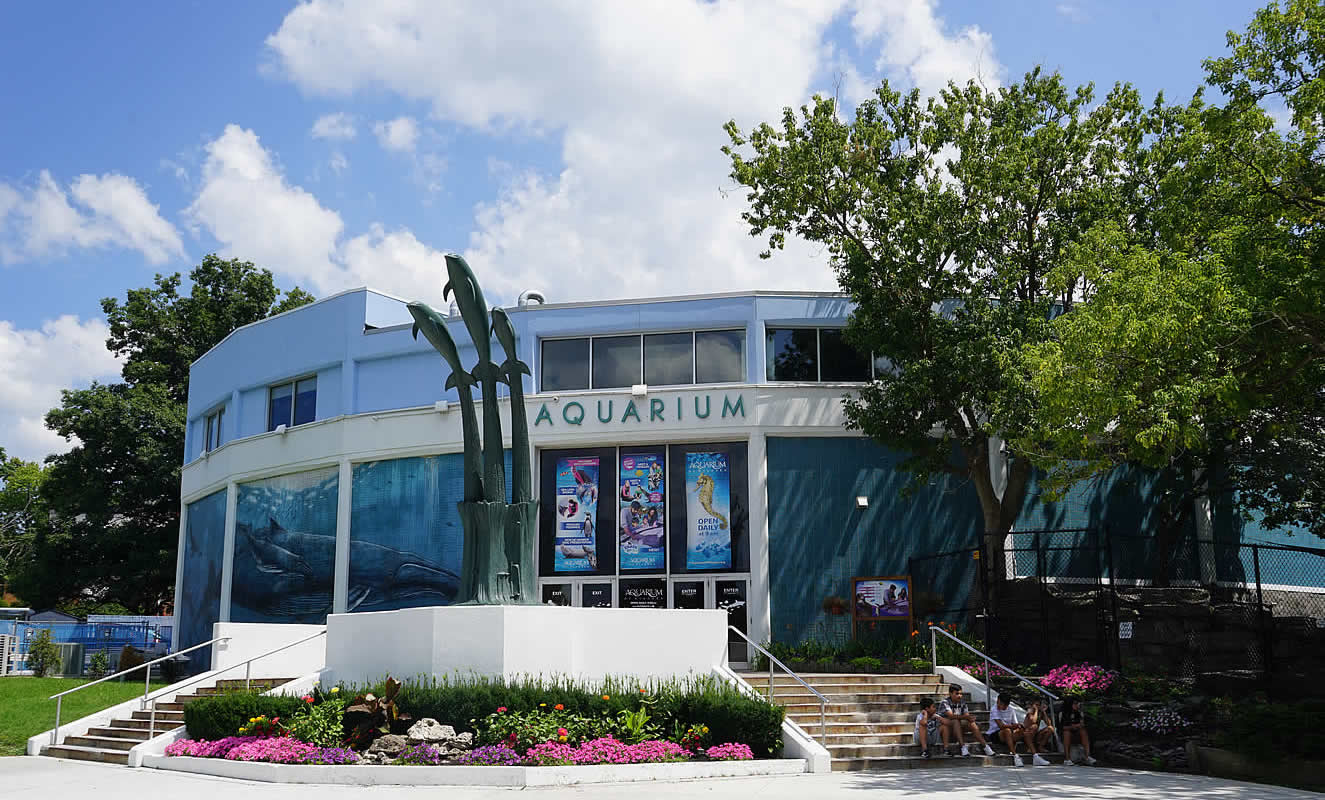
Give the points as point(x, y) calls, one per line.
point(308, 698)
point(501, 709)
point(732, 751)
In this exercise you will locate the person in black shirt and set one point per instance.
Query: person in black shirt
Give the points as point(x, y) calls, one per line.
point(1071, 722)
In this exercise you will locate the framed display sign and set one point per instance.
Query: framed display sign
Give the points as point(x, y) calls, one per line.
point(880, 599)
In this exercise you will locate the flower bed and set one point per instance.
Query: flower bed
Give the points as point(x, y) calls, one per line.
point(270, 749)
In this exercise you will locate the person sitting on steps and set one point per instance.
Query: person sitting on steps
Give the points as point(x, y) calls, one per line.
point(927, 726)
point(957, 720)
point(1039, 727)
point(1003, 723)
point(1072, 722)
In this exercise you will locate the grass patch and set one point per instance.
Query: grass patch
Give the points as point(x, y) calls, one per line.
point(25, 711)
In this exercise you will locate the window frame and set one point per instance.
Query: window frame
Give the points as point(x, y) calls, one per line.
point(640, 335)
point(818, 352)
point(293, 383)
point(211, 424)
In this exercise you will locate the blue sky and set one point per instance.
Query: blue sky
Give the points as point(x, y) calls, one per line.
point(565, 146)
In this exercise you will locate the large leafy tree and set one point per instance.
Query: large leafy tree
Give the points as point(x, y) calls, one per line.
point(22, 514)
point(944, 220)
point(114, 497)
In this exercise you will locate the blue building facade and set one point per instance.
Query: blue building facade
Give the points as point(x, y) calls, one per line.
point(689, 452)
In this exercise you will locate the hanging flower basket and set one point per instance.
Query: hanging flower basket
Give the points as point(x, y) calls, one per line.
point(835, 605)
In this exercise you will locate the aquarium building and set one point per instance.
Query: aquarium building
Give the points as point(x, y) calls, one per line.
point(689, 452)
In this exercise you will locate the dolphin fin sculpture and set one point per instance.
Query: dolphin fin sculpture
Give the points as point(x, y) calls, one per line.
point(433, 327)
point(474, 311)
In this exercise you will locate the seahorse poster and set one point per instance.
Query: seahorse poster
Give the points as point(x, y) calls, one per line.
point(576, 549)
point(708, 511)
point(641, 510)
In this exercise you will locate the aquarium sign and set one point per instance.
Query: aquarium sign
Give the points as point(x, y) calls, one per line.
point(631, 411)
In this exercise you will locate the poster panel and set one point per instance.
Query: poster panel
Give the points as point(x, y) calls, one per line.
point(880, 600)
point(642, 514)
point(688, 594)
point(708, 511)
point(732, 597)
point(575, 548)
point(643, 593)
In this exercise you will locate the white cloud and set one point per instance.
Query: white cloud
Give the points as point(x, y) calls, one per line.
point(37, 364)
point(638, 94)
point(338, 163)
point(247, 203)
point(339, 126)
point(400, 135)
point(113, 211)
point(1072, 11)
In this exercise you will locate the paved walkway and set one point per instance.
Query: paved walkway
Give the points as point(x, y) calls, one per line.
point(25, 776)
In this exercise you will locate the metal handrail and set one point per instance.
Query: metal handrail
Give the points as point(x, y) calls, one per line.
point(248, 676)
point(823, 701)
point(147, 681)
point(934, 651)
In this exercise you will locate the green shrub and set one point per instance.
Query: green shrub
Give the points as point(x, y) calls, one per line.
point(321, 724)
point(43, 654)
point(1272, 731)
point(867, 664)
point(730, 714)
point(222, 715)
point(99, 665)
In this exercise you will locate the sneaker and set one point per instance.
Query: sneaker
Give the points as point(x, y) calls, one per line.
point(1016, 761)
point(924, 754)
point(1067, 762)
point(1039, 761)
point(966, 751)
point(989, 751)
point(1090, 761)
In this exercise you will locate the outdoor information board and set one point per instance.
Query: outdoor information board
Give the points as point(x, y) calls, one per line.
point(879, 599)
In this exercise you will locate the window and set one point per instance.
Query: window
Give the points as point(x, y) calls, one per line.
point(839, 361)
point(212, 437)
point(616, 362)
point(656, 359)
point(817, 354)
point(292, 403)
point(668, 359)
point(565, 365)
point(719, 356)
point(793, 354)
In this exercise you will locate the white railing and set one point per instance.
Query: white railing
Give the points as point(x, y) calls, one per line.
point(989, 696)
point(248, 677)
point(823, 701)
point(147, 681)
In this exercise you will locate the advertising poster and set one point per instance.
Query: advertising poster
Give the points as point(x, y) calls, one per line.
point(575, 548)
point(880, 599)
point(708, 511)
point(642, 513)
point(643, 593)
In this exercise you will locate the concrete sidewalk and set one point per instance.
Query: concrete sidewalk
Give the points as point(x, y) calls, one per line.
point(28, 776)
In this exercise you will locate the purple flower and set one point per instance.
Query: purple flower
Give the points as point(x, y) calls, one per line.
point(497, 755)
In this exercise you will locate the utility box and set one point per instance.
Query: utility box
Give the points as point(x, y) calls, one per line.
point(8, 647)
point(71, 659)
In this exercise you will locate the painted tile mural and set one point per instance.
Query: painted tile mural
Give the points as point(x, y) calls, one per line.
point(285, 548)
point(405, 535)
point(199, 594)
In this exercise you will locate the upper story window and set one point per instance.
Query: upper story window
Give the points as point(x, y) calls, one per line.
point(212, 436)
point(656, 359)
point(814, 354)
point(292, 403)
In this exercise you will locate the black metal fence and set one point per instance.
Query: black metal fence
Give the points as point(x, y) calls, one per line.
point(1224, 614)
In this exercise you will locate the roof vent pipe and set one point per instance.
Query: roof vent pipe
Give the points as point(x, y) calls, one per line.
point(531, 295)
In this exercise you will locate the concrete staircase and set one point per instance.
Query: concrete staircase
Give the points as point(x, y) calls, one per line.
point(111, 743)
point(870, 719)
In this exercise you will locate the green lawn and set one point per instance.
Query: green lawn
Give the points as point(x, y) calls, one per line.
point(25, 711)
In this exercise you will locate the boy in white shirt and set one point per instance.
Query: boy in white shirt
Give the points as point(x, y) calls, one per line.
point(1005, 725)
point(927, 726)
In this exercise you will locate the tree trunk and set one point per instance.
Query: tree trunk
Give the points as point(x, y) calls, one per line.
point(999, 513)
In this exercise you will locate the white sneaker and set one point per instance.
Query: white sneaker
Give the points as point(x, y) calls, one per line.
point(1039, 761)
point(966, 751)
point(1016, 761)
point(1090, 761)
point(1067, 762)
point(989, 751)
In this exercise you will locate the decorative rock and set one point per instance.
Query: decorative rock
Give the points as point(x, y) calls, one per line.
point(464, 741)
point(390, 745)
point(430, 731)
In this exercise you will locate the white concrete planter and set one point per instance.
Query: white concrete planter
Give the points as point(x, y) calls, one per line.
point(375, 775)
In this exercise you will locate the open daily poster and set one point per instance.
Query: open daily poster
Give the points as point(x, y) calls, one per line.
point(708, 511)
point(641, 517)
point(577, 511)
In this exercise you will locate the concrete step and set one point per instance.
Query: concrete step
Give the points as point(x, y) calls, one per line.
point(845, 677)
point(812, 709)
point(924, 689)
point(101, 742)
point(811, 726)
point(866, 738)
point(935, 762)
point(177, 717)
point(230, 684)
point(116, 731)
point(86, 754)
point(143, 724)
point(865, 697)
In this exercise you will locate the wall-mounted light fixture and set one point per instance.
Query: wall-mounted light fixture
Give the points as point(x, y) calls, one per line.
point(281, 429)
point(862, 501)
point(639, 389)
point(441, 406)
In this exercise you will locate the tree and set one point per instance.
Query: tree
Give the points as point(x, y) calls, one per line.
point(22, 512)
point(943, 220)
point(1199, 346)
point(114, 497)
